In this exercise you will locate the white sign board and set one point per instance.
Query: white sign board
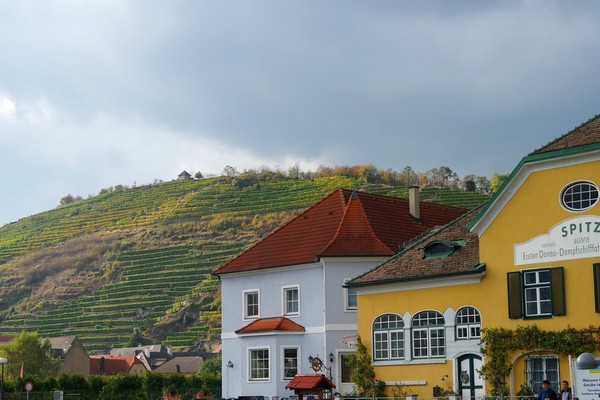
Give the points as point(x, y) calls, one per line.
point(573, 238)
point(587, 383)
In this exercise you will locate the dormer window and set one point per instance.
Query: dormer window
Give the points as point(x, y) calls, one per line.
point(441, 248)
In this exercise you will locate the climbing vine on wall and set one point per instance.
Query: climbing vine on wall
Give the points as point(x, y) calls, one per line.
point(498, 344)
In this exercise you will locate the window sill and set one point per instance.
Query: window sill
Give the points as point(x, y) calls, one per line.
point(410, 362)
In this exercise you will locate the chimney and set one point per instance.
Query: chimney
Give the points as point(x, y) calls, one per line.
point(102, 366)
point(413, 202)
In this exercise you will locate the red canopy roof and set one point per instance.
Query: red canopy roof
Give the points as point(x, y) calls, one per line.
point(310, 381)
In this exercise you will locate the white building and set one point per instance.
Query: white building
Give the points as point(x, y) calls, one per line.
point(283, 299)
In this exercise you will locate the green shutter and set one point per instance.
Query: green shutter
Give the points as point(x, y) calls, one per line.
point(597, 286)
point(515, 297)
point(558, 291)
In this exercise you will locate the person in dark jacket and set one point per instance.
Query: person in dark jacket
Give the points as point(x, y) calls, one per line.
point(547, 393)
point(565, 391)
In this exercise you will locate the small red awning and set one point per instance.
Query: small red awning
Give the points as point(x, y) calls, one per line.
point(310, 382)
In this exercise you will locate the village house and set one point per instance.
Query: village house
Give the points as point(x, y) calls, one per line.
point(527, 266)
point(74, 358)
point(105, 364)
point(285, 310)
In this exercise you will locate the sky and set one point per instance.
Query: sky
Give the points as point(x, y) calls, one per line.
point(97, 93)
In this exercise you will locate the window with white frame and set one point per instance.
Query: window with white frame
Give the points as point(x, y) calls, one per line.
point(350, 298)
point(540, 368)
point(388, 337)
point(259, 364)
point(290, 362)
point(468, 324)
point(536, 293)
point(428, 335)
point(291, 301)
point(251, 304)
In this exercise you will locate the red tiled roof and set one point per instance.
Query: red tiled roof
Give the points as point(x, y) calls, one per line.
point(112, 364)
point(587, 133)
point(270, 324)
point(310, 381)
point(338, 225)
point(411, 264)
point(355, 234)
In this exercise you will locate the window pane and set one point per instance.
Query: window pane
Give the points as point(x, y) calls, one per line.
point(259, 364)
point(544, 276)
point(291, 301)
point(397, 344)
point(290, 363)
point(351, 299)
point(381, 345)
point(251, 305)
point(420, 343)
point(346, 374)
point(437, 342)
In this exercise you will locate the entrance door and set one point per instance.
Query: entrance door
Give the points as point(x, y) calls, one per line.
point(345, 372)
point(470, 384)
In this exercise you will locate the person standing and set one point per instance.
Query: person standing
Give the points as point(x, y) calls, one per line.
point(547, 393)
point(565, 391)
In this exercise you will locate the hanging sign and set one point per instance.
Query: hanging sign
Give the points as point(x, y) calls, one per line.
point(571, 239)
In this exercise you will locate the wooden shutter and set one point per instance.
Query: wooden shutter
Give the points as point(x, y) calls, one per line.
point(558, 291)
point(597, 286)
point(515, 295)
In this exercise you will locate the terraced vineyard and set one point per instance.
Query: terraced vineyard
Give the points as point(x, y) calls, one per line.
point(157, 281)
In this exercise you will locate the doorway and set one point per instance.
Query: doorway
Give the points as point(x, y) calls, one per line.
point(470, 383)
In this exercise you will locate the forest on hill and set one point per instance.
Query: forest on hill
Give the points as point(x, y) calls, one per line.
point(132, 265)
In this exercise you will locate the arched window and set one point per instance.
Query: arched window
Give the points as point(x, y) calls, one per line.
point(468, 323)
point(428, 336)
point(388, 337)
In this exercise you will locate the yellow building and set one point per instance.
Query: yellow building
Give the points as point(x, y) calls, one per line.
point(534, 285)
point(540, 239)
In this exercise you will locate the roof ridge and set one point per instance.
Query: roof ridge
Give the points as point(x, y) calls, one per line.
point(565, 134)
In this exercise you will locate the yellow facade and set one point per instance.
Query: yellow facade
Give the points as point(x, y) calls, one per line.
point(533, 209)
point(539, 259)
point(416, 377)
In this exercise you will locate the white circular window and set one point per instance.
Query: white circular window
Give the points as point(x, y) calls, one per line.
point(579, 196)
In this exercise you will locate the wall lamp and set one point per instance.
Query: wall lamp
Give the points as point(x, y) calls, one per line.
point(587, 361)
point(330, 357)
point(229, 364)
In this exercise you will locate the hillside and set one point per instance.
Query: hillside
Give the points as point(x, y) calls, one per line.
point(134, 265)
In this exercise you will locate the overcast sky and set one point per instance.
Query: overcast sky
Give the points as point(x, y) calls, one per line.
point(99, 93)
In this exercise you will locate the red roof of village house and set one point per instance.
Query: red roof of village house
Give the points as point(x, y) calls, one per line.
point(342, 224)
point(112, 364)
point(270, 324)
point(310, 381)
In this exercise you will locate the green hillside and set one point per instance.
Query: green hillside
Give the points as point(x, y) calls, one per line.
point(133, 265)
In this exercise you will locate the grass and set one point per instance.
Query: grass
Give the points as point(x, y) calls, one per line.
point(142, 257)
